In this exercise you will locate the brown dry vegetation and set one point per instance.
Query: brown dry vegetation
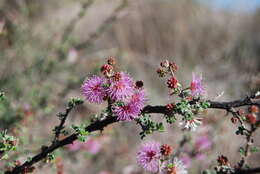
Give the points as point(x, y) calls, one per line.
point(224, 46)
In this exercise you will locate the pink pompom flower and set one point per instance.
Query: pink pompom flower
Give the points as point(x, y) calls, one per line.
point(139, 98)
point(149, 156)
point(121, 87)
point(126, 112)
point(93, 89)
point(130, 109)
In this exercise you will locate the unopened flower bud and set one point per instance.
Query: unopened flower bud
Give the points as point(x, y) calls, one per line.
point(117, 76)
point(251, 118)
point(173, 66)
point(254, 109)
point(241, 112)
point(161, 72)
point(166, 150)
point(17, 163)
point(222, 160)
point(165, 64)
point(172, 83)
point(170, 107)
point(107, 70)
point(139, 84)
point(111, 60)
point(234, 120)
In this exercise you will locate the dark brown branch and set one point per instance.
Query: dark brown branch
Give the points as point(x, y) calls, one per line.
point(100, 125)
point(248, 171)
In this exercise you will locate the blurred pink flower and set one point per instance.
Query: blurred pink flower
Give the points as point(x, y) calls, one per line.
point(196, 86)
point(186, 159)
point(92, 146)
point(75, 146)
point(200, 156)
point(203, 143)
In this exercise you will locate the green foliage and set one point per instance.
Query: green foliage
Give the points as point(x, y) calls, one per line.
point(171, 118)
point(241, 130)
point(74, 102)
point(148, 125)
point(50, 157)
point(7, 144)
point(254, 149)
point(8, 115)
point(81, 131)
point(242, 151)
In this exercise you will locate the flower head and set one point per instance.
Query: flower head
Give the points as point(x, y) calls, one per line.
point(196, 86)
point(149, 156)
point(93, 89)
point(138, 98)
point(191, 124)
point(126, 112)
point(173, 166)
point(121, 87)
point(131, 108)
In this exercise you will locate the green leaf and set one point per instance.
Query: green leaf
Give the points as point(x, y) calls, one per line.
point(242, 151)
point(254, 149)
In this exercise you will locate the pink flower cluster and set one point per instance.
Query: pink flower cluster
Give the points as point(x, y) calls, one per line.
point(152, 157)
point(126, 97)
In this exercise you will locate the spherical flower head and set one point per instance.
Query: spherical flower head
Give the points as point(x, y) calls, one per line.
point(196, 86)
point(191, 124)
point(173, 166)
point(149, 156)
point(138, 98)
point(121, 88)
point(93, 89)
point(126, 112)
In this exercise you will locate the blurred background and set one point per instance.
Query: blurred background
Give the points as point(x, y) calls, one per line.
point(48, 48)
